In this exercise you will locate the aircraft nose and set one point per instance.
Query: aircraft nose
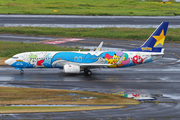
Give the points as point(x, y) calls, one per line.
point(8, 62)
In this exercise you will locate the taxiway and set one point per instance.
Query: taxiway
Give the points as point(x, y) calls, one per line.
point(72, 21)
point(159, 77)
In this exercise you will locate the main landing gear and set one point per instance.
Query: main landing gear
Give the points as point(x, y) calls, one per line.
point(22, 71)
point(87, 71)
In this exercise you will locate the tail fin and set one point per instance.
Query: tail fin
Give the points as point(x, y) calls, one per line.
point(155, 42)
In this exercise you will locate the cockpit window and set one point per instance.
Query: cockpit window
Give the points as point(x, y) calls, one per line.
point(15, 57)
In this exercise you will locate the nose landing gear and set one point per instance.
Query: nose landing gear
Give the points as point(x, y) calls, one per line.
point(22, 71)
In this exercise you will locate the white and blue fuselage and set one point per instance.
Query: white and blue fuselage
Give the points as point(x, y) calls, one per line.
point(110, 59)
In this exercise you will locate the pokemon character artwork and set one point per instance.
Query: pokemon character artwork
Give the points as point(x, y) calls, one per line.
point(110, 59)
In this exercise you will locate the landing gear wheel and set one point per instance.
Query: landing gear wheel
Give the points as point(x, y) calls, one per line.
point(89, 72)
point(22, 71)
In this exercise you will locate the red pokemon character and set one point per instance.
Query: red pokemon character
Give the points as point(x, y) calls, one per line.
point(135, 95)
point(137, 59)
point(108, 56)
point(39, 63)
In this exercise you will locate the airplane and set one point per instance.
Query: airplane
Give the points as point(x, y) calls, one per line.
point(77, 61)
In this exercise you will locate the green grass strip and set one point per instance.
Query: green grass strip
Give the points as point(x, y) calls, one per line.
point(10, 109)
point(8, 49)
point(34, 96)
point(111, 33)
point(90, 7)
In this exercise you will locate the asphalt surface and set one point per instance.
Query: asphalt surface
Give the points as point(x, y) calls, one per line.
point(69, 21)
point(158, 77)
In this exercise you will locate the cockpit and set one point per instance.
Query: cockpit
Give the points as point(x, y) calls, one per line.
point(12, 60)
point(14, 57)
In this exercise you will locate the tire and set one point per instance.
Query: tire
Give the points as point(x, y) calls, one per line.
point(22, 71)
point(89, 73)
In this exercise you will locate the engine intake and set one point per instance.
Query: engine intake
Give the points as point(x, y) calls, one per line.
point(68, 68)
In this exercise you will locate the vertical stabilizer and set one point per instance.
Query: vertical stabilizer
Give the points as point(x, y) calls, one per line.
point(155, 42)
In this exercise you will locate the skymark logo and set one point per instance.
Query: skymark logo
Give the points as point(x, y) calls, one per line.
point(146, 48)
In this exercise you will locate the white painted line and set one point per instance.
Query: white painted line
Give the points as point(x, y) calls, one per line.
point(26, 37)
point(78, 16)
point(63, 41)
point(87, 25)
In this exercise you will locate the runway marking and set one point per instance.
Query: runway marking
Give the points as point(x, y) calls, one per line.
point(23, 37)
point(87, 25)
point(60, 41)
point(63, 41)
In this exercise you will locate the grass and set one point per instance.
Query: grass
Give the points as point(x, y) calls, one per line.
point(10, 109)
point(90, 7)
point(8, 49)
point(112, 33)
point(2, 60)
point(33, 96)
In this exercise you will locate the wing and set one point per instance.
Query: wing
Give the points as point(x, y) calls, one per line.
point(99, 47)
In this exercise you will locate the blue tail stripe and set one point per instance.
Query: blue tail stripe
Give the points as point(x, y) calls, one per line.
point(148, 46)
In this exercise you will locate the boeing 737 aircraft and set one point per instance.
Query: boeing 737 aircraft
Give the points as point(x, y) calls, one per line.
point(76, 61)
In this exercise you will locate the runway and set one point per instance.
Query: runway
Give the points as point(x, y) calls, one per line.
point(160, 77)
point(71, 21)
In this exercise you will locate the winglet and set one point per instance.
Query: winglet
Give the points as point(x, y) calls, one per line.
point(99, 47)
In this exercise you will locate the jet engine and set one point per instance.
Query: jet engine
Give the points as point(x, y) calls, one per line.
point(68, 68)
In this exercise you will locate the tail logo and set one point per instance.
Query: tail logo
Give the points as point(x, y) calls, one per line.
point(159, 39)
point(146, 48)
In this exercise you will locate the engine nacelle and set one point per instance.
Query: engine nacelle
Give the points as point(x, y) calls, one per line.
point(68, 68)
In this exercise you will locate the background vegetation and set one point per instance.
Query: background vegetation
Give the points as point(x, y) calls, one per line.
point(112, 33)
point(90, 7)
point(13, 109)
point(8, 49)
point(33, 96)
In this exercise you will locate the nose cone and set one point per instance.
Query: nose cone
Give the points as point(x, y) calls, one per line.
point(8, 61)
